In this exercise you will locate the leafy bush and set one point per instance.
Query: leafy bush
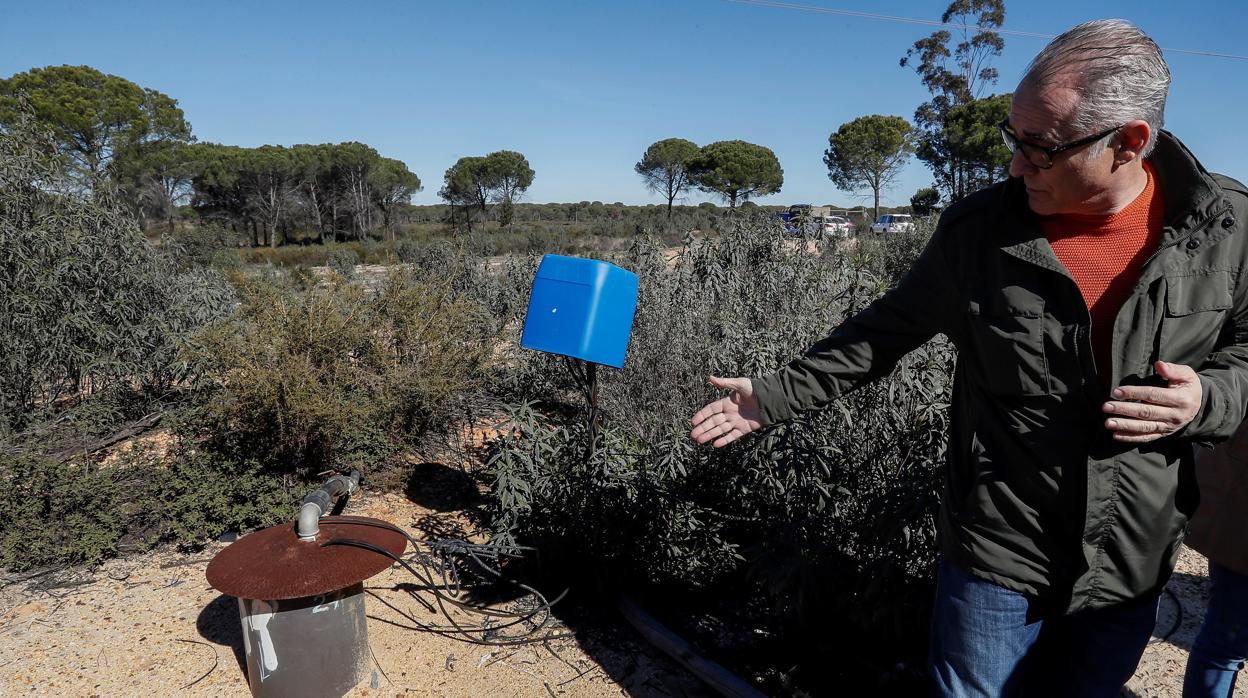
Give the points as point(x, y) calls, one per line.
point(833, 511)
point(198, 495)
point(306, 380)
point(343, 261)
point(56, 513)
point(88, 304)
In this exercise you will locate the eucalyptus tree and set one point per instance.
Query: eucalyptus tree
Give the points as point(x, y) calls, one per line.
point(868, 153)
point(736, 171)
point(664, 167)
point(954, 77)
point(89, 305)
point(94, 118)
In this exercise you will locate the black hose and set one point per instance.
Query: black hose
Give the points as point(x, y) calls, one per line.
point(450, 590)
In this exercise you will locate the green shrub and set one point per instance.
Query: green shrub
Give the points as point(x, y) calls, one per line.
point(344, 262)
point(199, 495)
point(77, 513)
point(307, 379)
point(88, 305)
point(822, 512)
point(56, 513)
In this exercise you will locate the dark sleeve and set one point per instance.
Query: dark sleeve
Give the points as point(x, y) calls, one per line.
point(1224, 375)
point(869, 344)
point(1224, 379)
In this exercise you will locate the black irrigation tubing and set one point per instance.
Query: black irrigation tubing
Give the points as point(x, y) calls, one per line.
point(434, 589)
point(417, 625)
point(457, 630)
point(447, 548)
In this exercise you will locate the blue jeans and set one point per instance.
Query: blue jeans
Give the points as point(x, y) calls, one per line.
point(1222, 644)
point(985, 644)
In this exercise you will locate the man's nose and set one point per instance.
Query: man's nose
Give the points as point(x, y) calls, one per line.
point(1020, 165)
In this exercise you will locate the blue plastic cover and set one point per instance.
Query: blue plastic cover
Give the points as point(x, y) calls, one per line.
point(581, 308)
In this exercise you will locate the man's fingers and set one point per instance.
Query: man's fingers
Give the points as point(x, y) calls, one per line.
point(1169, 397)
point(709, 427)
point(724, 430)
point(728, 438)
point(1138, 427)
point(1145, 411)
point(714, 408)
point(1136, 438)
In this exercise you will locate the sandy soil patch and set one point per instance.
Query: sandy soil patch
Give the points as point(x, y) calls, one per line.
point(149, 625)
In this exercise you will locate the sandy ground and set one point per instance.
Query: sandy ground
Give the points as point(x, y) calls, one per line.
point(149, 625)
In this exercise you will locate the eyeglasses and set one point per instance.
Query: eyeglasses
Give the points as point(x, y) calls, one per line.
point(1038, 155)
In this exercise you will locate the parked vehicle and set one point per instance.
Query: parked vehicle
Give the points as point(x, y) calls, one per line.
point(893, 223)
point(839, 226)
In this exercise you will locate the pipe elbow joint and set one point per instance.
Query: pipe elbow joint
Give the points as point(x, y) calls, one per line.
point(309, 521)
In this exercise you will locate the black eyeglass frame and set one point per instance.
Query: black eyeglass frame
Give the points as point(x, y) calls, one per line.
point(1013, 142)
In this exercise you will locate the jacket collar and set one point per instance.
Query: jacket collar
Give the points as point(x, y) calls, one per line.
point(1191, 197)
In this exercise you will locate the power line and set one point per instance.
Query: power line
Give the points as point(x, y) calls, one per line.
point(776, 4)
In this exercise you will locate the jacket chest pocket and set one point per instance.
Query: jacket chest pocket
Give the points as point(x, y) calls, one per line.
point(1008, 344)
point(1196, 311)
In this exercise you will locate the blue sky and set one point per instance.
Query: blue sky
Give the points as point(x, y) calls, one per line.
point(582, 88)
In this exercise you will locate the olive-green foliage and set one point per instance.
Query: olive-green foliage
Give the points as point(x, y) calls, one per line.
point(626, 507)
point(736, 171)
point(207, 245)
point(93, 119)
point(56, 513)
point(343, 261)
point(88, 303)
point(199, 495)
point(925, 201)
point(305, 379)
point(828, 509)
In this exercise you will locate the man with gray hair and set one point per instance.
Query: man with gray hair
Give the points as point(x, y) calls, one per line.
point(1099, 305)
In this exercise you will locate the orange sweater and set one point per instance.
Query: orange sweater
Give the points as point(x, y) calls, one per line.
point(1104, 254)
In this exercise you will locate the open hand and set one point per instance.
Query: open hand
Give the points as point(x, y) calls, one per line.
point(728, 418)
point(1143, 413)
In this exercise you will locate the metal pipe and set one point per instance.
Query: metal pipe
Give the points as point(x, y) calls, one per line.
point(317, 503)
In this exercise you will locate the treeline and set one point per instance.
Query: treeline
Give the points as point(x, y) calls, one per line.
point(125, 142)
point(343, 190)
point(134, 142)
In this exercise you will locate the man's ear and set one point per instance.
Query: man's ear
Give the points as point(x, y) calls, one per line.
point(1132, 139)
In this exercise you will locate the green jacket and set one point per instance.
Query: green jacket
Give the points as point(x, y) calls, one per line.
point(1038, 497)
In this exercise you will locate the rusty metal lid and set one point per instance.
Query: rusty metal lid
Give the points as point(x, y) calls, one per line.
point(273, 564)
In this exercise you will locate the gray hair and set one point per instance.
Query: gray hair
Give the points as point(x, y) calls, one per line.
point(1118, 71)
